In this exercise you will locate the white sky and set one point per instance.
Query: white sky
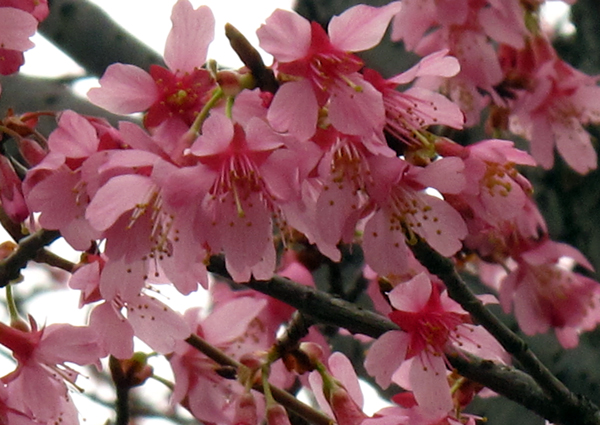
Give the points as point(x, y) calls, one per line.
point(149, 20)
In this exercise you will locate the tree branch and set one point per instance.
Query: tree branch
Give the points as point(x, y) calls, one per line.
point(282, 397)
point(87, 34)
point(569, 405)
point(28, 249)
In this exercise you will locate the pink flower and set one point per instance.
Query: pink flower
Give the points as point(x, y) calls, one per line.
point(36, 386)
point(495, 191)
point(546, 294)
point(554, 109)
point(323, 71)
point(207, 395)
point(417, 108)
point(431, 324)
point(17, 26)
point(249, 178)
point(121, 317)
point(11, 193)
point(340, 395)
point(175, 93)
point(56, 186)
point(402, 206)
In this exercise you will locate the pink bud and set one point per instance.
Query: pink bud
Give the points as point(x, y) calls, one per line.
point(245, 410)
point(346, 411)
point(277, 415)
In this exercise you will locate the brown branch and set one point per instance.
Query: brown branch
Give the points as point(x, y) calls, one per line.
point(568, 404)
point(28, 249)
point(504, 380)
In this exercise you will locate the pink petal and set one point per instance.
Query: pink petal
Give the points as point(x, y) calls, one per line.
point(230, 321)
point(361, 27)
point(385, 249)
point(434, 64)
point(342, 369)
point(357, 112)
point(261, 137)
point(285, 35)
point(122, 280)
point(429, 383)
point(117, 332)
point(574, 145)
point(75, 137)
point(385, 356)
point(542, 141)
point(17, 26)
point(413, 295)
point(156, 324)
point(316, 385)
point(442, 227)
point(187, 43)
point(335, 205)
point(295, 110)
point(248, 238)
point(445, 175)
point(124, 89)
point(116, 197)
point(63, 342)
point(217, 133)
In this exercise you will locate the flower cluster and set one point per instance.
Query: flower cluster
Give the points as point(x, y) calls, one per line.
point(332, 154)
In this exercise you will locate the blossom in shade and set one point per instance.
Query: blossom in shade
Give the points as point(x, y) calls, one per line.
point(553, 108)
point(546, 293)
point(322, 71)
point(339, 395)
point(178, 92)
point(209, 396)
point(496, 195)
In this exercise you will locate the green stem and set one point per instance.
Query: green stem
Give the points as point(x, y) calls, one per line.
point(196, 127)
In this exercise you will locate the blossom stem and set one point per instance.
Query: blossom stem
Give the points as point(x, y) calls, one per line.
point(196, 127)
point(12, 306)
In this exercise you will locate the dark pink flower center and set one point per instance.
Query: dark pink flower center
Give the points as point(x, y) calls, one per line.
point(324, 65)
point(179, 95)
point(430, 329)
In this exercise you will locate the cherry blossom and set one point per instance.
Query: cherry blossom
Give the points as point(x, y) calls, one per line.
point(404, 206)
point(546, 293)
point(178, 92)
point(247, 182)
point(209, 396)
point(323, 69)
point(416, 108)
point(414, 357)
point(17, 26)
point(37, 386)
point(552, 111)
